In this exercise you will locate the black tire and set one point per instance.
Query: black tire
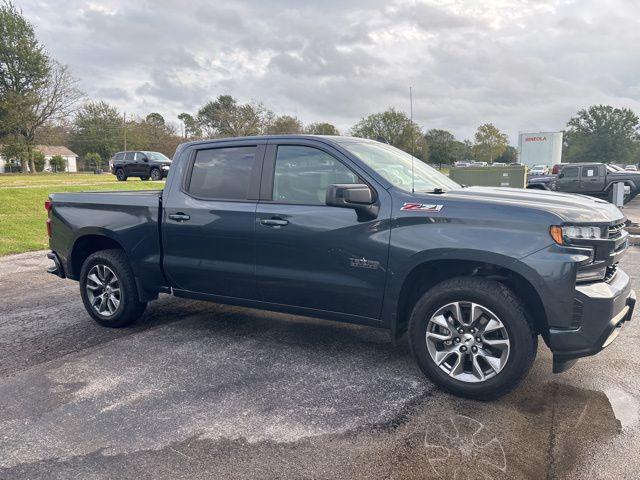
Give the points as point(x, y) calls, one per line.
point(129, 308)
point(500, 300)
point(156, 174)
point(120, 175)
point(144, 179)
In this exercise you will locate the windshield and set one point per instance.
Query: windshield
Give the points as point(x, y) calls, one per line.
point(157, 156)
point(394, 165)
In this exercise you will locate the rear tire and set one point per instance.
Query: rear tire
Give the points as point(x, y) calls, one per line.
point(488, 373)
point(108, 289)
point(120, 175)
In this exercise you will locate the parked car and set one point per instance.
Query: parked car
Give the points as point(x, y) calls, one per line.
point(461, 164)
point(353, 230)
point(478, 164)
point(555, 170)
point(631, 168)
point(143, 164)
point(499, 164)
point(539, 170)
point(595, 179)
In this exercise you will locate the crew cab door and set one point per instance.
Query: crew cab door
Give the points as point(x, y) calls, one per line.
point(592, 178)
point(568, 180)
point(209, 219)
point(312, 255)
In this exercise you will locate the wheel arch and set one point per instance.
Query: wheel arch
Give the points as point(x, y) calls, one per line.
point(426, 274)
point(87, 244)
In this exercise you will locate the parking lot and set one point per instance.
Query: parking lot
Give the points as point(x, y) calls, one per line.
point(201, 390)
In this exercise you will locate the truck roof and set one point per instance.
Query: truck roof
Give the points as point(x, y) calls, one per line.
point(325, 138)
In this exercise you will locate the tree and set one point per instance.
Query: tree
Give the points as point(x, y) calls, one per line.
point(442, 146)
point(57, 163)
point(24, 68)
point(284, 124)
point(225, 117)
point(93, 160)
point(602, 133)
point(395, 128)
point(510, 155)
point(490, 143)
point(321, 128)
point(97, 127)
point(192, 129)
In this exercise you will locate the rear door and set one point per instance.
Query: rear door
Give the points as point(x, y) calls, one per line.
point(209, 221)
point(309, 254)
point(592, 178)
point(569, 179)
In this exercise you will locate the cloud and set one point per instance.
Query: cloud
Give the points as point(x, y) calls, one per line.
point(519, 64)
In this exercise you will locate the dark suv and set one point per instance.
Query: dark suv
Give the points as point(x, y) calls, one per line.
point(136, 163)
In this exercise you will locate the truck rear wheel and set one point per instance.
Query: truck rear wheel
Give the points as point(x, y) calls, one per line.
point(108, 289)
point(470, 336)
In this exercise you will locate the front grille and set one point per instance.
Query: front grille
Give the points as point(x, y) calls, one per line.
point(611, 272)
point(615, 231)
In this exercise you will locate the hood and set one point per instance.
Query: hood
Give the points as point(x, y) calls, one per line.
point(570, 208)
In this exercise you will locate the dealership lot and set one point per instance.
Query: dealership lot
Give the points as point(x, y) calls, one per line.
point(208, 391)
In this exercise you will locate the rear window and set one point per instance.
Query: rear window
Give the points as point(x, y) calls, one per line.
point(223, 173)
point(118, 156)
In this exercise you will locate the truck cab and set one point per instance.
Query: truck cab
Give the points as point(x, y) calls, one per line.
point(582, 178)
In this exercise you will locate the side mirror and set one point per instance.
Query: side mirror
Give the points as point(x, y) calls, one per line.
point(145, 159)
point(357, 196)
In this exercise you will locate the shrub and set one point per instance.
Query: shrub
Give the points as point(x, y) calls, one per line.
point(38, 160)
point(57, 163)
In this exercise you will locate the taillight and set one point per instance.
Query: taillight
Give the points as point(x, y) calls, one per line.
point(47, 206)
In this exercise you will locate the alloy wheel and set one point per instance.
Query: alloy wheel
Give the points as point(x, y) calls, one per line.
point(103, 290)
point(468, 341)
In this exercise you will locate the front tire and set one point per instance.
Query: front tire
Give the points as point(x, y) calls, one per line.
point(470, 336)
point(108, 289)
point(155, 174)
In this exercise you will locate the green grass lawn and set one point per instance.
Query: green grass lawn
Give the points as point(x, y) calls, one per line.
point(22, 197)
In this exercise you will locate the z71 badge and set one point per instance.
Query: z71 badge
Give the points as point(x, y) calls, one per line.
point(422, 207)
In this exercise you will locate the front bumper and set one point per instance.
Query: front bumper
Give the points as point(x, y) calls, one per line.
point(600, 309)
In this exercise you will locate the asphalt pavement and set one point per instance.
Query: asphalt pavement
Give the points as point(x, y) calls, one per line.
point(200, 390)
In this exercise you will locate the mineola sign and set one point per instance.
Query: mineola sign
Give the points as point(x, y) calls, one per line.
point(535, 139)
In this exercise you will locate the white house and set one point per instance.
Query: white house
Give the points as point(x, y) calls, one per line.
point(70, 158)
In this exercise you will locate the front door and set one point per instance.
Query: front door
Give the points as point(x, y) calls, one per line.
point(568, 180)
point(592, 178)
point(309, 254)
point(209, 221)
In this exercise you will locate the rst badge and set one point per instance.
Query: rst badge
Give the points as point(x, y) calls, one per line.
point(422, 207)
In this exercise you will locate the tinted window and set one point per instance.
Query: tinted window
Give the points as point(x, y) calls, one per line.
point(119, 156)
point(303, 174)
point(223, 173)
point(589, 171)
point(128, 157)
point(570, 172)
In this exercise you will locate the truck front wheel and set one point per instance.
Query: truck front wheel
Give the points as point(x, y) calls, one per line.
point(470, 336)
point(108, 289)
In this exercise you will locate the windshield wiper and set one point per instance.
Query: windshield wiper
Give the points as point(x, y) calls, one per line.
point(437, 190)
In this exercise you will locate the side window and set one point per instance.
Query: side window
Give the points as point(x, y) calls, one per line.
point(223, 173)
point(303, 174)
point(570, 172)
point(128, 156)
point(590, 171)
point(119, 156)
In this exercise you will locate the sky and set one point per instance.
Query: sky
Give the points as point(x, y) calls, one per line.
point(522, 65)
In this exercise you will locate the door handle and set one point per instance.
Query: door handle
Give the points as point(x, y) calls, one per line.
point(274, 222)
point(179, 217)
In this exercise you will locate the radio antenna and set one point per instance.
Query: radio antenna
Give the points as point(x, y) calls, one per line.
point(413, 140)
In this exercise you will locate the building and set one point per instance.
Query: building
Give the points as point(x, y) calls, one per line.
point(540, 148)
point(70, 158)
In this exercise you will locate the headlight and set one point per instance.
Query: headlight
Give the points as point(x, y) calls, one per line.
point(165, 167)
point(572, 232)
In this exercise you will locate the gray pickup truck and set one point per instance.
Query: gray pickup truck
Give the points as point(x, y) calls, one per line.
point(594, 179)
point(354, 230)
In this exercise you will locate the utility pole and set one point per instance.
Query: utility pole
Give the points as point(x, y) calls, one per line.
point(124, 128)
